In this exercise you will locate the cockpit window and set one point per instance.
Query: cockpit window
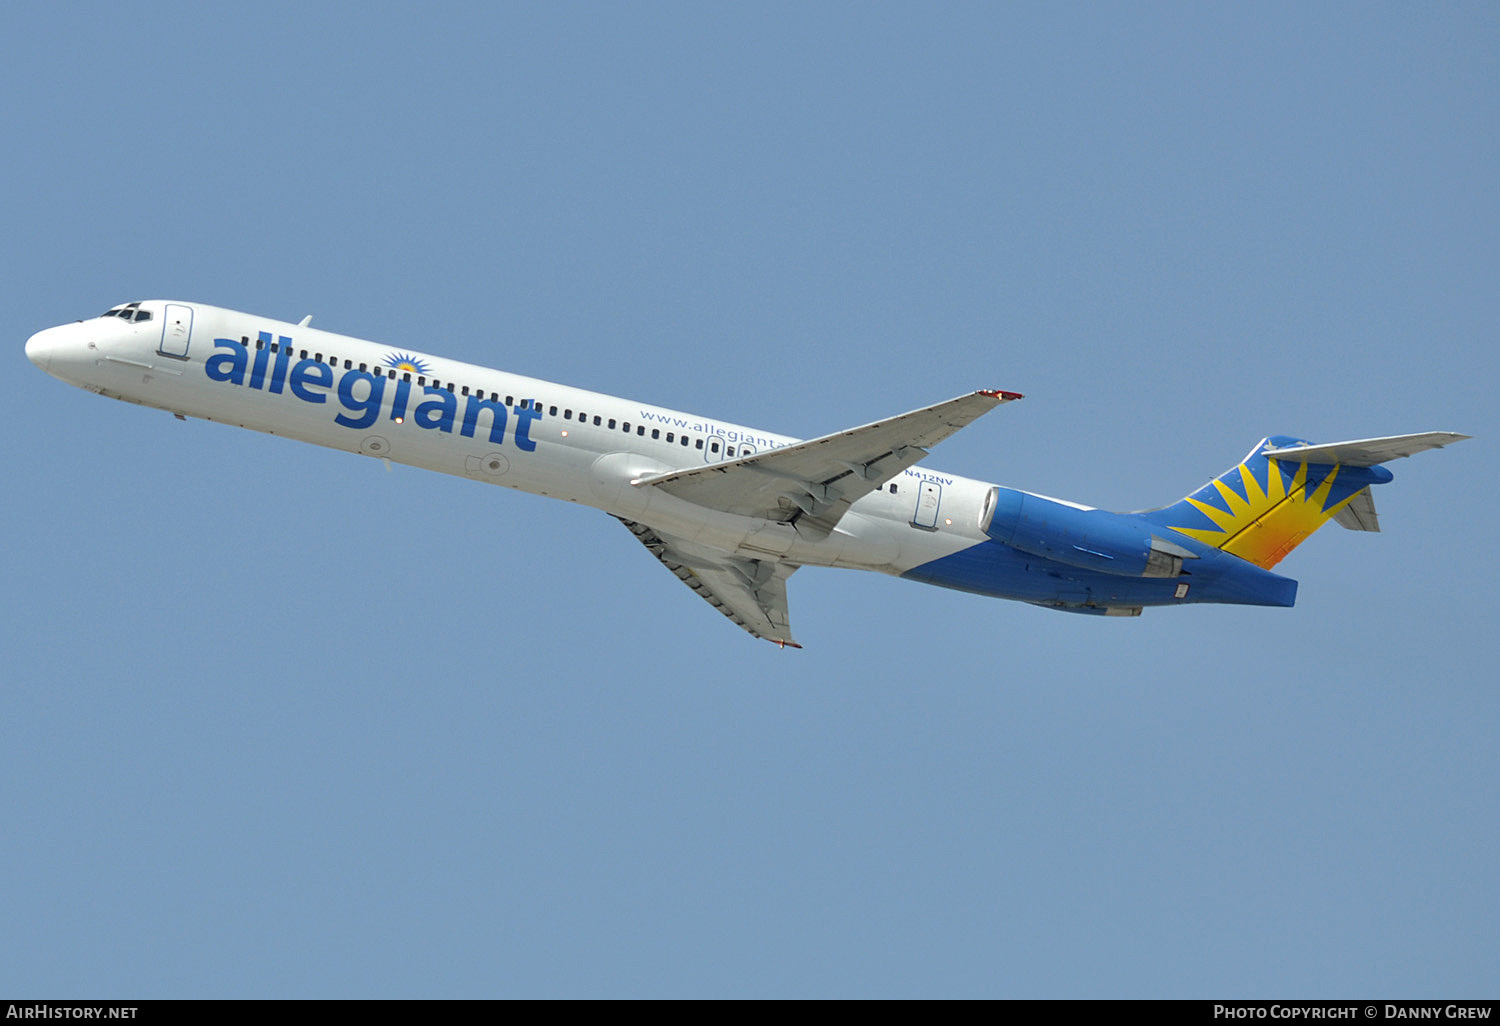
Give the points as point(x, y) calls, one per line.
point(128, 312)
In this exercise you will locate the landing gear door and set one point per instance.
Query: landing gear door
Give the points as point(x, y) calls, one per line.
point(176, 331)
point(929, 497)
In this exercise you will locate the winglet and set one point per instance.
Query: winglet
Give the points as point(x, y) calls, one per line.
point(304, 322)
point(1003, 396)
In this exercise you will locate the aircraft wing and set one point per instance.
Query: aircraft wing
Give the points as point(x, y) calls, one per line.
point(751, 592)
point(812, 484)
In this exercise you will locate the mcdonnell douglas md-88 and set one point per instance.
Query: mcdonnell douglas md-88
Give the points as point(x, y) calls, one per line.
point(734, 511)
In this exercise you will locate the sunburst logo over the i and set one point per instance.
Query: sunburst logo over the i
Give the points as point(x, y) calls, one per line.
point(406, 362)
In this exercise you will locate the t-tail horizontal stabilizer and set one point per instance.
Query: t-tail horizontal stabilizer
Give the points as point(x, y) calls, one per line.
point(1364, 452)
point(1286, 488)
point(1358, 514)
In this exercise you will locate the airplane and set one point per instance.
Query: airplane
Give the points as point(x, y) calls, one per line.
point(734, 511)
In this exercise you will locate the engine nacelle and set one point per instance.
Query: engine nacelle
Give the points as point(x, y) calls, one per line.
point(1092, 539)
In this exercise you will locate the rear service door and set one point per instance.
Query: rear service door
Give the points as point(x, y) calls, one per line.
point(928, 499)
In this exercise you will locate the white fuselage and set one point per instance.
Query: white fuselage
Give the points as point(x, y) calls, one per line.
point(409, 407)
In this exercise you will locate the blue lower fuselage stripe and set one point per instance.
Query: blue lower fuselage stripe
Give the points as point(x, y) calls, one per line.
point(995, 569)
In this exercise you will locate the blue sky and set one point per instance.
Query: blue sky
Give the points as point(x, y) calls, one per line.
point(276, 723)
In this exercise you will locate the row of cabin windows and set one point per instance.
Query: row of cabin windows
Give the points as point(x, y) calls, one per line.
point(567, 414)
point(684, 439)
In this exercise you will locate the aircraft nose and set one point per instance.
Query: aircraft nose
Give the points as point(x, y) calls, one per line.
point(63, 350)
point(41, 346)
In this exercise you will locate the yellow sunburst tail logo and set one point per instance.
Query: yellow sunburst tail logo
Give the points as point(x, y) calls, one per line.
point(1262, 508)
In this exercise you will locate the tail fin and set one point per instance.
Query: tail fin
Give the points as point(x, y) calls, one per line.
point(1285, 489)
